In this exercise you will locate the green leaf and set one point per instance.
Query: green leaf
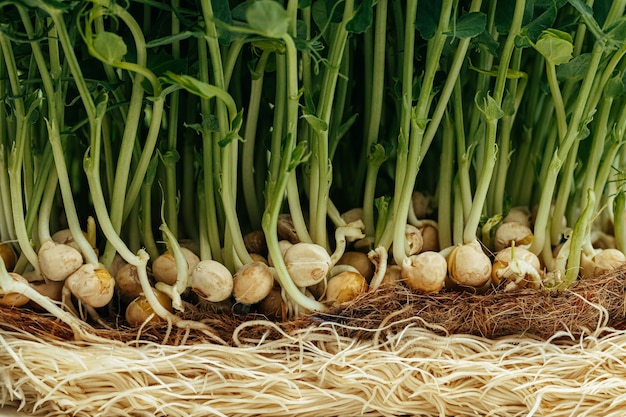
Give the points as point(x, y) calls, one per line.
point(379, 153)
point(334, 9)
point(101, 103)
point(110, 47)
point(555, 46)
point(503, 16)
point(230, 136)
point(531, 31)
point(170, 157)
point(268, 17)
point(221, 12)
point(615, 87)
point(582, 7)
point(617, 31)
point(575, 69)
point(469, 25)
point(601, 10)
point(486, 43)
point(586, 13)
point(315, 122)
point(298, 156)
point(209, 124)
point(309, 103)
point(363, 17)
point(427, 19)
point(489, 108)
point(510, 74)
point(508, 104)
point(345, 126)
point(237, 121)
point(191, 84)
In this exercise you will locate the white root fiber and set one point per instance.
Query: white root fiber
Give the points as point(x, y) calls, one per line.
point(315, 372)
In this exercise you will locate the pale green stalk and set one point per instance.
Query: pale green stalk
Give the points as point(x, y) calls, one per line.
point(515, 91)
point(254, 208)
point(15, 160)
point(124, 197)
point(45, 208)
point(463, 156)
point(406, 100)
point(146, 214)
point(484, 179)
point(171, 186)
point(291, 78)
point(275, 189)
point(373, 115)
point(563, 196)
point(457, 223)
point(619, 220)
point(319, 193)
point(419, 123)
point(446, 167)
point(600, 134)
point(229, 151)
point(573, 133)
point(577, 240)
point(7, 228)
point(210, 247)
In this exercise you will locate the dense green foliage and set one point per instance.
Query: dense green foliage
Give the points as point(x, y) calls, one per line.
point(213, 117)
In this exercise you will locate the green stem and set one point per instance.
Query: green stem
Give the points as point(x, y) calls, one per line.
point(147, 152)
point(320, 163)
point(446, 167)
point(484, 180)
point(171, 189)
point(419, 122)
point(457, 220)
point(463, 155)
point(275, 190)
point(189, 199)
point(579, 235)
point(16, 156)
point(147, 234)
point(368, 197)
point(230, 150)
point(122, 199)
point(211, 230)
point(600, 134)
point(45, 209)
point(559, 107)
point(254, 207)
point(7, 227)
point(573, 132)
point(406, 99)
point(516, 89)
point(619, 220)
point(66, 193)
point(293, 196)
point(563, 196)
point(373, 116)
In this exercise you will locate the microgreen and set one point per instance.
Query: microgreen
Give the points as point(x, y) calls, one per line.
point(230, 114)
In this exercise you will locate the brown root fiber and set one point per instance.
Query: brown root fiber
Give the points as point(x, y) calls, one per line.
point(587, 306)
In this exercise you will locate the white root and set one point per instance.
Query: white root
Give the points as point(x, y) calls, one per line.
point(378, 257)
point(343, 234)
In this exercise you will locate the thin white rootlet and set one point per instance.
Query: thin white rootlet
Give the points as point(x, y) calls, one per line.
point(318, 372)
